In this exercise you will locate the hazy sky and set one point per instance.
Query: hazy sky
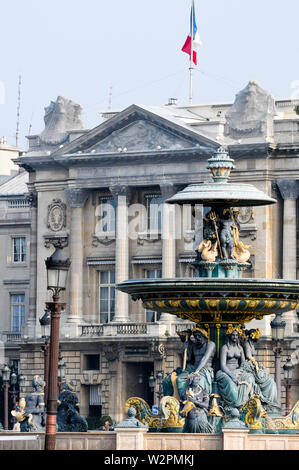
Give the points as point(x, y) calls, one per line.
point(80, 49)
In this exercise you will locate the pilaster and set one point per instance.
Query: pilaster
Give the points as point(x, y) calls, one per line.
point(122, 196)
point(31, 320)
point(76, 198)
point(289, 191)
point(168, 238)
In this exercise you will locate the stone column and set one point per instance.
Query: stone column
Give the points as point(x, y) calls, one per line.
point(121, 195)
point(168, 240)
point(289, 191)
point(76, 198)
point(31, 320)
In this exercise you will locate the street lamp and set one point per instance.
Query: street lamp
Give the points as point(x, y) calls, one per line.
point(277, 329)
point(57, 268)
point(288, 370)
point(152, 380)
point(6, 378)
point(45, 322)
point(13, 383)
point(61, 372)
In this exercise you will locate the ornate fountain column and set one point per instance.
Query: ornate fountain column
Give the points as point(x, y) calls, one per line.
point(76, 198)
point(121, 195)
point(289, 191)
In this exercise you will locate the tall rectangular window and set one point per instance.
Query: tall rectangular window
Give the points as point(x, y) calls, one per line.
point(151, 316)
point(154, 212)
point(17, 311)
point(106, 296)
point(107, 214)
point(19, 249)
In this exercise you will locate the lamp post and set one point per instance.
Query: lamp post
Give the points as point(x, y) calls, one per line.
point(288, 369)
point(57, 268)
point(6, 378)
point(152, 380)
point(13, 383)
point(61, 372)
point(45, 322)
point(278, 328)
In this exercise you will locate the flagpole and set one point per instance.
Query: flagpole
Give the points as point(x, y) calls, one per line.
point(191, 55)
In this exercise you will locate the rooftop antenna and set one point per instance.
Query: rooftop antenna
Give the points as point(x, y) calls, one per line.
point(30, 125)
point(18, 110)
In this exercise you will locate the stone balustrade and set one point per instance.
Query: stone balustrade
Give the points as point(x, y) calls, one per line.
point(128, 329)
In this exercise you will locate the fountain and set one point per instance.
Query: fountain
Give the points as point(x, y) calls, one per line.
point(230, 383)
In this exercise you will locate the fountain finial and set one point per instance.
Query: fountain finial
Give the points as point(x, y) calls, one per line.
point(221, 165)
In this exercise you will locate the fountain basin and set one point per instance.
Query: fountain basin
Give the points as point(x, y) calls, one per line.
point(214, 300)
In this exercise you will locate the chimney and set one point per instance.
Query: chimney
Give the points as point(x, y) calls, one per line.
point(172, 101)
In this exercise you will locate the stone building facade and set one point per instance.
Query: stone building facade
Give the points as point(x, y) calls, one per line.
point(100, 193)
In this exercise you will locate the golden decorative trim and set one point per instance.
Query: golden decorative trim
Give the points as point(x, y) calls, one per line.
point(291, 421)
point(202, 331)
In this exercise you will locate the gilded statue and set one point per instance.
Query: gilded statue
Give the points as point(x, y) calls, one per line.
point(208, 250)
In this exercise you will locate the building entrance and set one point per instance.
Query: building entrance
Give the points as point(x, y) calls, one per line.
point(137, 375)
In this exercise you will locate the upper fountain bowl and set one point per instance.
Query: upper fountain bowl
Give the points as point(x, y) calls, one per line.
point(224, 194)
point(220, 192)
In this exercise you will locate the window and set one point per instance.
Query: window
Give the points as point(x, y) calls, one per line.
point(92, 362)
point(19, 249)
point(18, 311)
point(106, 295)
point(151, 316)
point(107, 214)
point(154, 212)
point(95, 401)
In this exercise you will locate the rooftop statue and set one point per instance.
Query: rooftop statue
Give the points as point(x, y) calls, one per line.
point(251, 114)
point(61, 116)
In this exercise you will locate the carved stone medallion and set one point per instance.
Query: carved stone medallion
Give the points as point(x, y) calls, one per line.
point(56, 220)
point(245, 215)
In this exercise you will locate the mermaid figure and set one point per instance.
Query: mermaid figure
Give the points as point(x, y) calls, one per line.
point(235, 383)
point(267, 386)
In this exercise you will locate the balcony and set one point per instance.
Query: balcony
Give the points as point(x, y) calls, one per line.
point(133, 329)
point(11, 337)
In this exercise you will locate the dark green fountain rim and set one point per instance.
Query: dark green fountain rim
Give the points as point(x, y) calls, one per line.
point(139, 288)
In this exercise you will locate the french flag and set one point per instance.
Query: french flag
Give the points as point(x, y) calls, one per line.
point(193, 40)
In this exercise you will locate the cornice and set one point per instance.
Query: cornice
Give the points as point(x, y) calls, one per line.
point(127, 116)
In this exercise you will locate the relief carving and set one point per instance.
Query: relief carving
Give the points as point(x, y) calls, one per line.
point(56, 220)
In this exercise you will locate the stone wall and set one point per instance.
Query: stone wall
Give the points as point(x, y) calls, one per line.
point(135, 439)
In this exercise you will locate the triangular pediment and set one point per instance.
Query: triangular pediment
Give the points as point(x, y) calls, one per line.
point(141, 135)
point(137, 130)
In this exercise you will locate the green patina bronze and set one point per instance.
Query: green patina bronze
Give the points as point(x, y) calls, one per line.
point(220, 302)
